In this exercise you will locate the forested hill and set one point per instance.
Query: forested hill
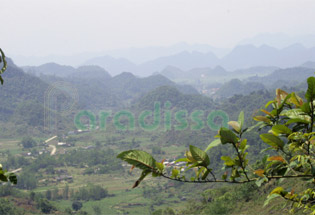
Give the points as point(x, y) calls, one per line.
point(22, 98)
point(289, 76)
point(21, 92)
point(236, 86)
point(98, 90)
point(49, 69)
point(281, 78)
point(177, 99)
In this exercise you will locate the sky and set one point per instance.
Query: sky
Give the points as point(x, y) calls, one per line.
point(67, 27)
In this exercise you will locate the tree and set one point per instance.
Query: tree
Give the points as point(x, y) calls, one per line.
point(4, 175)
point(76, 205)
point(27, 181)
point(291, 137)
point(65, 193)
point(45, 206)
point(28, 142)
point(4, 67)
point(48, 195)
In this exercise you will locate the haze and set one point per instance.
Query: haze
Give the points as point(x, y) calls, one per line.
point(40, 28)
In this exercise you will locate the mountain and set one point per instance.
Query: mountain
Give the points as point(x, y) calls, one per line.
point(241, 57)
point(289, 77)
point(142, 55)
point(309, 64)
point(279, 40)
point(97, 89)
point(115, 66)
point(90, 72)
point(173, 73)
point(208, 76)
point(120, 90)
point(136, 55)
point(50, 69)
point(19, 87)
point(235, 86)
point(256, 70)
point(177, 74)
point(246, 56)
point(23, 104)
point(25, 97)
point(178, 100)
point(183, 60)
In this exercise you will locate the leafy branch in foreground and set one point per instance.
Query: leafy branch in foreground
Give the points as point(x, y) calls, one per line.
point(291, 136)
point(4, 67)
point(4, 175)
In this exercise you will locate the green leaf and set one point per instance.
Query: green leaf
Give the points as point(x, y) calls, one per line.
point(262, 119)
point(272, 140)
point(295, 99)
point(235, 174)
point(224, 176)
point(278, 190)
point(295, 114)
point(228, 161)
point(205, 175)
point(160, 166)
point(214, 143)
point(235, 125)
point(143, 175)
point(227, 136)
point(12, 177)
point(175, 173)
point(306, 107)
point(182, 160)
point(281, 129)
point(243, 144)
point(241, 119)
point(200, 171)
point(3, 178)
point(270, 197)
point(260, 181)
point(297, 121)
point(310, 93)
point(199, 155)
point(269, 103)
point(254, 126)
point(139, 159)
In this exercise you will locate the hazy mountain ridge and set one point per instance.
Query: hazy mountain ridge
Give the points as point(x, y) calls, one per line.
point(50, 69)
point(97, 89)
point(279, 40)
point(241, 57)
point(293, 75)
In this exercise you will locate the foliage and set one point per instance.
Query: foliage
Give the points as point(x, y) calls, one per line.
point(45, 206)
point(6, 207)
point(27, 181)
point(90, 192)
point(4, 67)
point(28, 142)
point(7, 176)
point(291, 138)
point(76, 205)
point(4, 175)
